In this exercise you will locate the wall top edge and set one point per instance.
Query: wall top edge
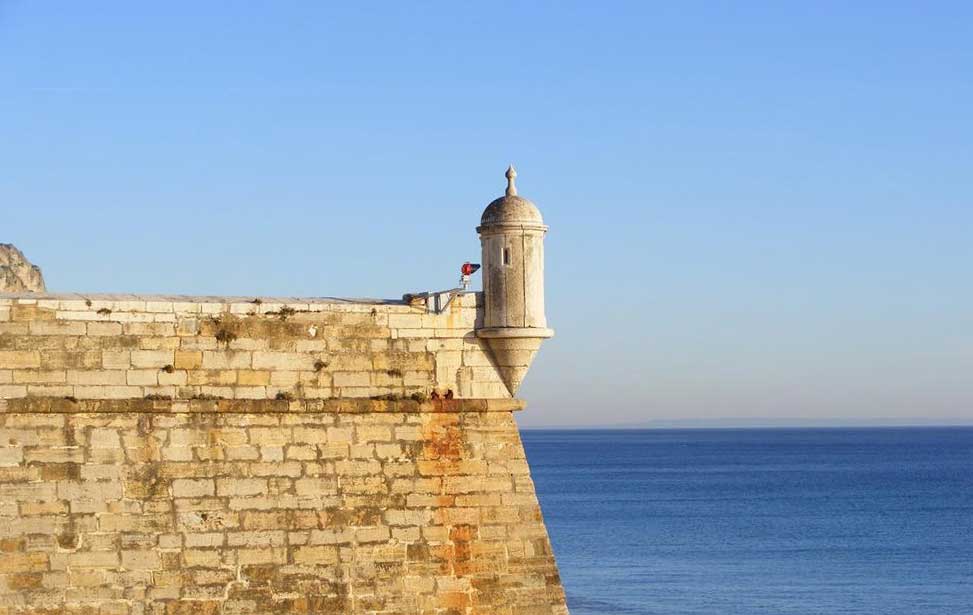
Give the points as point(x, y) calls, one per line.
point(193, 298)
point(61, 405)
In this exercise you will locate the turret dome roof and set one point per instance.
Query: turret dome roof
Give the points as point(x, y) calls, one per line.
point(510, 208)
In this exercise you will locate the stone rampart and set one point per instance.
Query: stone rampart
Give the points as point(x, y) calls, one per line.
point(169, 455)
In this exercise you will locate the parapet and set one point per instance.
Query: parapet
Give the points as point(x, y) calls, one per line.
point(204, 348)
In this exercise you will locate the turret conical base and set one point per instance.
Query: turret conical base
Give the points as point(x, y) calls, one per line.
point(513, 351)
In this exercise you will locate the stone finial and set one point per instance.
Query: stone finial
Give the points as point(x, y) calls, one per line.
point(17, 274)
point(511, 178)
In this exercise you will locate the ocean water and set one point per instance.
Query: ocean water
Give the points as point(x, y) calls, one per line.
point(762, 521)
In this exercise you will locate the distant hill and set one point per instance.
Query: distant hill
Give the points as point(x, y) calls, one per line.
point(756, 423)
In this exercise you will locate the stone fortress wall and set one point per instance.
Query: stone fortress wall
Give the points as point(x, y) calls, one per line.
point(205, 455)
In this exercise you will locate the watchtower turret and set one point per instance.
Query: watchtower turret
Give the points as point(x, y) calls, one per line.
point(512, 238)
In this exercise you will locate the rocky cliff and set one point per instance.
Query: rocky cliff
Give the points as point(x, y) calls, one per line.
point(17, 274)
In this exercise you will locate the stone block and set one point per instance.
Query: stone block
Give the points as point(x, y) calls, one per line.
point(19, 359)
point(96, 377)
point(420, 333)
point(315, 486)
point(405, 321)
point(226, 359)
point(172, 378)
point(11, 455)
point(136, 560)
point(204, 540)
point(39, 376)
point(93, 559)
point(116, 359)
point(373, 534)
point(54, 327)
point(201, 558)
point(235, 487)
point(140, 377)
point(187, 326)
point(104, 438)
point(193, 488)
point(267, 436)
point(373, 433)
point(242, 392)
point(315, 555)
point(253, 378)
point(350, 362)
point(282, 361)
point(184, 359)
point(351, 379)
point(104, 329)
point(152, 358)
point(149, 329)
point(108, 392)
point(249, 557)
point(53, 455)
point(275, 538)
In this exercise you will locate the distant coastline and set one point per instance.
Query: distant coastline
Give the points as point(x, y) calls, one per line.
point(767, 423)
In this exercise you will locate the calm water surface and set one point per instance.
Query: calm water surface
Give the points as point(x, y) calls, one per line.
point(765, 521)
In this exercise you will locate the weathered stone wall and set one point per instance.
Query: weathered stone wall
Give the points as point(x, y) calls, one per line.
point(168, 456)
point(125, 347)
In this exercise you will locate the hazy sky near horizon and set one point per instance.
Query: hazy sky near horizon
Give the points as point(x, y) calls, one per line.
point(756, 209)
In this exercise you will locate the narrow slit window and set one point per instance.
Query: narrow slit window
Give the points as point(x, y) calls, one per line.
point(506, 256)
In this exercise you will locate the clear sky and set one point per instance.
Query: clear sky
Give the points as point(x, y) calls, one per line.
point(757, 210)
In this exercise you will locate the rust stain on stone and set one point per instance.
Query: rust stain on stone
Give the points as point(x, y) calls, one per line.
point(461, 535)
point(442, 440)
point(9, 545)
point(70, 438)
point(25, 580)
point(61, 471)
point(20, 312)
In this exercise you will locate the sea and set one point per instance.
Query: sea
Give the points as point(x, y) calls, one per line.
point(870, 521)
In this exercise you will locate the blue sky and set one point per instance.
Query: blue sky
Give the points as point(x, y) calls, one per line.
point(757, 210)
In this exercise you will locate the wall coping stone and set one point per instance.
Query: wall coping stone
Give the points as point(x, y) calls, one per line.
point(193, 298)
